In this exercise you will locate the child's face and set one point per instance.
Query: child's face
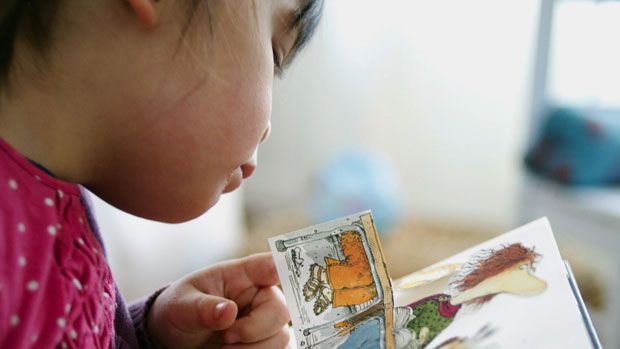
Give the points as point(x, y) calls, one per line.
point(189, 113)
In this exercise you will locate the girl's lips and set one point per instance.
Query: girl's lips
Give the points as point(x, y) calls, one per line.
point(247, 169)
point(250, 166)
point(242, 172)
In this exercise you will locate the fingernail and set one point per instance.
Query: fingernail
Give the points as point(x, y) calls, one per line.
point(219, 311)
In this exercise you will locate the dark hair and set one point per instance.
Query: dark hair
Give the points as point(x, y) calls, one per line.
point(33, 21)
point(306, 20)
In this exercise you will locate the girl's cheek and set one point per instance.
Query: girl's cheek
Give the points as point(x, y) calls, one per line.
point(257, 107)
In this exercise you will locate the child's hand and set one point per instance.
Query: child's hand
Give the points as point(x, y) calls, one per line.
point(235, 302)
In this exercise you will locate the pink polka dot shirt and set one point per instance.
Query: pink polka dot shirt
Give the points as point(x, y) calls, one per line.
point(56, 288)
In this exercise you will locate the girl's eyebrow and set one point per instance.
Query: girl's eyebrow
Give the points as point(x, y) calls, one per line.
point(304, 21)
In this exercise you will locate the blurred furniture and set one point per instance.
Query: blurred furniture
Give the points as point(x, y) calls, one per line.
point(586, 221)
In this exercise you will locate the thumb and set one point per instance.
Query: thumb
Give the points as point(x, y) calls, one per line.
point(214, 313)
point(182, 316)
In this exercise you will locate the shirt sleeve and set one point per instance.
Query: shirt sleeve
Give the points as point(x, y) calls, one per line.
point(138, 312)
point(130, 322)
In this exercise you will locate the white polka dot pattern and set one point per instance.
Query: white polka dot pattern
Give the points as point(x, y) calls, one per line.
point(59, 287)
point(14, 320)
point(32, 285)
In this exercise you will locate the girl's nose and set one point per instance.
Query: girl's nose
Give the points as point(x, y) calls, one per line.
point(249, 167)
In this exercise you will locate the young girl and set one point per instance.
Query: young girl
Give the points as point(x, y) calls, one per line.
point(158, 107)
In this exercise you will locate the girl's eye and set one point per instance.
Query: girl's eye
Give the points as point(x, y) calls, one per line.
point(277, 61)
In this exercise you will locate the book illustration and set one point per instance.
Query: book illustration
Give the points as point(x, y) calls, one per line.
point(342, 282)
point(486, 274)
point(513, 291)
point(477, 341)
point(427, 276)
point(336, 284)
point(298, 262)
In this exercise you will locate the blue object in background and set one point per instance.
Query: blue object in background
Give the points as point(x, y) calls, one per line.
point(355, 181)
point(578, 147)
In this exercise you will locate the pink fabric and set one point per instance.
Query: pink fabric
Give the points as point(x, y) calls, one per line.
point(56, 289)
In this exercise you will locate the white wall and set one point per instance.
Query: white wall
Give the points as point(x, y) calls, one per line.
point(441, 87)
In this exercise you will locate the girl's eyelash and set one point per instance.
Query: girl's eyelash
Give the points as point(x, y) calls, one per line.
point(277, 61)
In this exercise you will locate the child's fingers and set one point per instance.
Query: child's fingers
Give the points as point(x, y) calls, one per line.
point(266, 318)
point(281, 340)
point(194, 311)
point(232, 279)
point(185, 316)
point(260, 269)
point(215, 313)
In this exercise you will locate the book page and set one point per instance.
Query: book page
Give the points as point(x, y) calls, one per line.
point(336, 284)
point(509, 292)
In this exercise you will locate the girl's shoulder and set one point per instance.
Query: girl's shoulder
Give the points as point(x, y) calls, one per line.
point(55, 284)
point(31, 199)
point(16, 171)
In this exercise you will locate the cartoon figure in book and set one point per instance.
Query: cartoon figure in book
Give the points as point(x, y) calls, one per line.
point(337, 285)
point(342, 282)
point(507, 269)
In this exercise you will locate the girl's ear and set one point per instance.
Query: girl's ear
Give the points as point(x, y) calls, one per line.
point(144, 10)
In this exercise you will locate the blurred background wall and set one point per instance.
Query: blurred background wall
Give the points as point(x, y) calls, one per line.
point(440, 88)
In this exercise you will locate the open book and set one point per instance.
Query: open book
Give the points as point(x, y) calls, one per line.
point(513, 291)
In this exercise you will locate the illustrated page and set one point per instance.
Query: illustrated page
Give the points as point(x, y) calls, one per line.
point(336, 284)
point(509, 292)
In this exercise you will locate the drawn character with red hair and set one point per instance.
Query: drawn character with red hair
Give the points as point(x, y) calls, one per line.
point(508, 269)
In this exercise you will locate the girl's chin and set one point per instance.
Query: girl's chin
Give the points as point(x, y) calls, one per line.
point(233, 183)
point(232, 186)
